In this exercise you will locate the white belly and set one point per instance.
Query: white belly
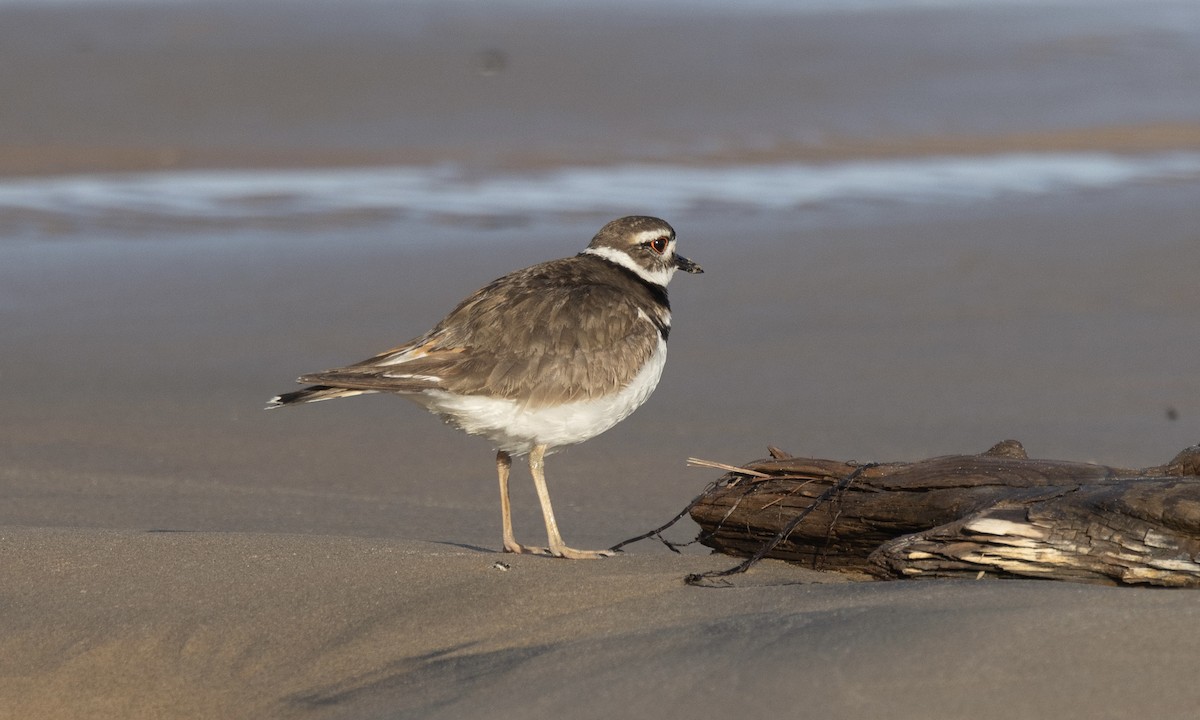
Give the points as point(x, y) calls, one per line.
point(515, 429)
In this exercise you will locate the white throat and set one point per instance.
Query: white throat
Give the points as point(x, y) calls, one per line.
point(656, 277)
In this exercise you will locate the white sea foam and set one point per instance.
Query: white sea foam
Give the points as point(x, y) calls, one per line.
point(437, 191)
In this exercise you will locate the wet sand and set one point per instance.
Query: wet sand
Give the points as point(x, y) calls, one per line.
point(168, 549)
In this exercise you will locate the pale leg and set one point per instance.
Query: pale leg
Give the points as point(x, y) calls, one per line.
point(537, 468)
point(503, 465)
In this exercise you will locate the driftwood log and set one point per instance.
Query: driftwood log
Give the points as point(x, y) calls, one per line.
point(998, 513)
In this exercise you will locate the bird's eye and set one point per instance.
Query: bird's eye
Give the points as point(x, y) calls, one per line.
point(658, 245)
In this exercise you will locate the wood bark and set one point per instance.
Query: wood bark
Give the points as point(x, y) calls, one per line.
point(998, 513)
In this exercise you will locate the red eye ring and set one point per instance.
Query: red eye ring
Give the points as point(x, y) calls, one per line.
point(658, 245)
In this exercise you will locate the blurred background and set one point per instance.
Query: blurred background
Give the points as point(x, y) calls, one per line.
point(927, 226)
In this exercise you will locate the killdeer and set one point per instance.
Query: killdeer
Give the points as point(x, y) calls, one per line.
point(545, 357)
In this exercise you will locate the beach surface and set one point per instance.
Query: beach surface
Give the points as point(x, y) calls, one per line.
point(926, 228)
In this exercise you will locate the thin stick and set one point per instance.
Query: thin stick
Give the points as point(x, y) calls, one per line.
point(697, 462)
point(657, 532)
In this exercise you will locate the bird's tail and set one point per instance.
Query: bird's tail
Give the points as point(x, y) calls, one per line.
point(314, 393)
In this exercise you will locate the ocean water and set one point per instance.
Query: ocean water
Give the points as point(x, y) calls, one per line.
point(445, 193)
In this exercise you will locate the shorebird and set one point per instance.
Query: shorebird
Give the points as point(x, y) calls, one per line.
point(539, 359)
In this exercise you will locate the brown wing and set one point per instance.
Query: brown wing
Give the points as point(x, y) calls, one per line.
point(558, 331)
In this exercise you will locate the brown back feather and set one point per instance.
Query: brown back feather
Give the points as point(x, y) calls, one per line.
point(559, 331)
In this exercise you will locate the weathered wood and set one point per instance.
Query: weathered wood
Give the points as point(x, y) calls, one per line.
point(999, 513)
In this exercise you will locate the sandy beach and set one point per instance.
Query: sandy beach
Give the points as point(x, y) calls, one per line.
point(248, 625)
point(924, 230)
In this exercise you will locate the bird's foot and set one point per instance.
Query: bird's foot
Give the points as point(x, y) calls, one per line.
point(519, 549)
point(563, 551)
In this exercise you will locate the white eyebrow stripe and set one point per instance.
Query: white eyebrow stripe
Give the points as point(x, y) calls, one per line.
point(648, 235)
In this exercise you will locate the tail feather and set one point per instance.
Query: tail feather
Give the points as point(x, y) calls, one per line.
point(315, 393)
